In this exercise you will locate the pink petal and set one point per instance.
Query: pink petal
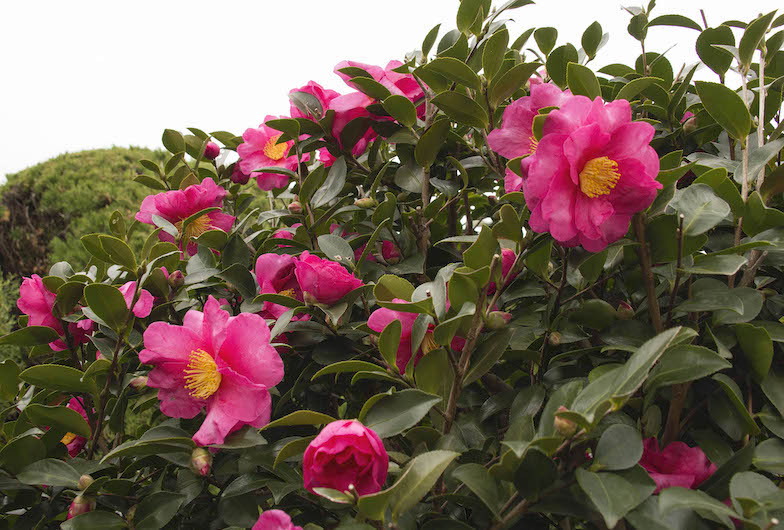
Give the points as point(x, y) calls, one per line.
point(248, 352)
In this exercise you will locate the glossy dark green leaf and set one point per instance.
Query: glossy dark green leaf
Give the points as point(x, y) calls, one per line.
point(95, 519)
point(558, 61)
point(674, 20)
point(769, 456)
point(717, 179)
point(478, 479)
point(461, 109)
point(503, 86)
point(108, 303)
point(701, 208)
point(401, 108)
point(684, 363)
point(399, 411)
point(726, 107)
point(487, 354)
point(430, 143)
point(467, 14)
point(57, 377)
point(481, 252)
point(620, 447)
point(582, 81)
point(389, 342)
point(51, 472)
point(757, 347)
point(336, 248)
point(752, 37)
point(677, 498)
point(173, 141)
point(615, 494)
point(591, 39)
point(638, 26)
point(716, 59)
point(333, 185)
point(493, 54)
point(758, 217)
point(157, 509)
point(390, 286)
point(454, 70)
point(430, 39)
point(30, 336)
point(631, 89)
point(61, 417)
point(545, 39)
point(301, 417)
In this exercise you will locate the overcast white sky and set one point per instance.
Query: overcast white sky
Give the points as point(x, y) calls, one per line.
point(94, 73)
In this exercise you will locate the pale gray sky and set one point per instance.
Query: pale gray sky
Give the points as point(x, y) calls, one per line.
point(91, 73)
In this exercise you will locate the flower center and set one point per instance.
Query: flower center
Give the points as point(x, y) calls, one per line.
point(599, 176)
point(287, 292)
point(275, 151)
point(533, 143)
point(429, 343)
point(196, 227)
point(202, 378)
point(68, 438)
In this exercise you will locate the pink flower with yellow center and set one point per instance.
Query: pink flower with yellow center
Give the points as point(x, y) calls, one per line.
point(593, 169)
point(261, 149)
point(214, 361)
point(275, 274)
point(347, 108)
point(73, 442)
point(37, 302)
point(515, 137)
point(177, 205)
point(323, 95)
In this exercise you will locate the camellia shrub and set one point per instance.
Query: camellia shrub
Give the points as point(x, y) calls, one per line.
point(506, 291)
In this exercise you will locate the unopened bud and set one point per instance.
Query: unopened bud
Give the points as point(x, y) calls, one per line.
point(295, 207)
point(85, 481)
point(365, 202)
point(138, 383)
point(81, 505)
point(201, 461)
point(211, 151)
point(492, 199)
point(498, 319)
point(130, 513)
point(176, 279)
point(554, 338)
point(625, 311)
point(690, 125)
point(390, 252)
point(564, 427)
point(237, 175)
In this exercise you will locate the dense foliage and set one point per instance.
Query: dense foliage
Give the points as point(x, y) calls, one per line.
point(498, 296)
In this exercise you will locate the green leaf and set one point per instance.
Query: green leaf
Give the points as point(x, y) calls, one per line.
point(293, 448)
point(752, 37)
point(420, 475)
point(430, 143)
point(674, 20)
point(108, 303)
point(716, 59)
point(484, 486)
point(401, 108)
point(370, 87)
point(63, 418)
point(757, 347)
point(493, 54)
point(635, 86)
point(684, 363)
point(615, 494)
point(461, 109)
point(502, 87)
point(173, 141)
point(21, 452)
point(620, 447)
point(773, 387)
point(732, 391)
point(57, 377)
point(157, 509)
point(454, 70)
point(752, 304)
point(118, 251)
point(96, 519)
point(536, 473)
point(9, 380)
point(481, 252)
point(430, 39)
point(399, 411)
point(717, 179)
point(769, 456)
point(677, 498)
point(545, 39)
point(701, 208)
point(336, 248)
point(758, 217)
point(595, 314)
point(724, 265)
point(582, 81)
point(434, 374)
point(390, 287)
point(331, 188)
point(727, 108)
point(591, 39)
point(30, 336)
point(301, 417)
point(389, 342)
point(557, 63)
point(347, 366)
point(51, 472)
point(487, 354)
point(638, 26)
point(467, 13)
point(446, 330)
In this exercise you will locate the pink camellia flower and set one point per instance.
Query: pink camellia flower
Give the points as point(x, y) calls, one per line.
point(177, 205)
point(275, 274)
point(143, 305)
point(238, 176)
point(275, 520)
point(73, 442)
point(322, 280)
point(261, 149)
point(396, 83)
point(390, 252)
point(37, 302)
point(346, 453)
point(211, 151)
point(223, 363)
point(81, 505)
point(593, 169)
point(323, 95)
point(286, 233)
point(677, 465)
point(687, 116)
point(347, 108)
point(508, 258)
point(515, 137)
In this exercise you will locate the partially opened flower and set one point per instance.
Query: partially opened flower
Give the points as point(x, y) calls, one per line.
point(261, 149)
point(213, 360)
point(73, 442)
point(397, 83)
point(348, 107)
point(677, 465)
point(37, 302)
point(275, 520)
point(178, 205)
point(275, 274)
point(593, 169)
point(323, 95)
point(143, 306)
point(508, 258)
point(346, 453)
point(323, 281)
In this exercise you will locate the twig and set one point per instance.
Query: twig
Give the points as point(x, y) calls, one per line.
point(679, 234)
point(647, 273)
point(754, 265)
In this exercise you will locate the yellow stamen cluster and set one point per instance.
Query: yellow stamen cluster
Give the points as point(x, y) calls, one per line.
point(429, 343)
point(599, 176)
point(275, 151)
point(68, 438)
point(534, 143)
point(196, 228)
point(202, 378)
point(287, 292)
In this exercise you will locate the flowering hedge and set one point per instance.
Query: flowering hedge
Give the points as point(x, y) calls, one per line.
point(494, 289)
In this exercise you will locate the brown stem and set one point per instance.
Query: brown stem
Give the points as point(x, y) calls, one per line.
point(672, 428)
point(679, 234)
point(647, 273)
point(755, 260)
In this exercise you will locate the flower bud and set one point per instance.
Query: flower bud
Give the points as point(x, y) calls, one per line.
point(554, 338)
point(295, 207)
point(492, 199)
point(176, 279)
point(498, 319)
point(85, 481)
point(237, 176)
point(625, 311)
point(138, 383)
point(690, 126)
point(564, 427)
point(211, 151)
point(81, 505)
point(130, 513)
point(365, 202)
point(390, 252)
point(201, 461)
